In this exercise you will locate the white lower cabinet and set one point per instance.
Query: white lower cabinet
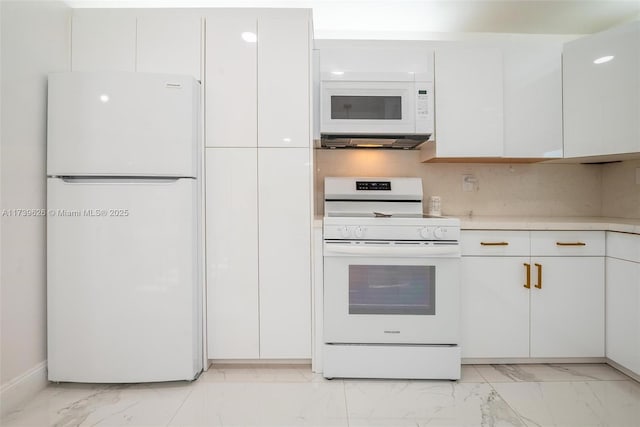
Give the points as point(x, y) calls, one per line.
point(284, 252)
point(532, 294)
point(623, 300)
point(258, 253)
point(233, 326)
point(495, 307)
point(567, 311)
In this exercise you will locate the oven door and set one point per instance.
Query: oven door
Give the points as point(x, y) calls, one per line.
point(367, 108)
point(377, 293)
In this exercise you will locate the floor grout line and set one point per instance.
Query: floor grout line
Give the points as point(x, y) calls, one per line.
point(346, 405)
point(193, 386)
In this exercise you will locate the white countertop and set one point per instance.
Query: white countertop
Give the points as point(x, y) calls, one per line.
point(623, 225)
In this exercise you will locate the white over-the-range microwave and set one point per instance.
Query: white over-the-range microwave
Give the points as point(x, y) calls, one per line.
point(382, 110)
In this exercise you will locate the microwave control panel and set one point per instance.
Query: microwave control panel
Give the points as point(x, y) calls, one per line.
point(424, 107)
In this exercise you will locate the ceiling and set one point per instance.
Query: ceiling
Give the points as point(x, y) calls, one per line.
point(410, 19)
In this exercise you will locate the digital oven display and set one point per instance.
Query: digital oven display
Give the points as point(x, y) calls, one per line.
point(373, 185)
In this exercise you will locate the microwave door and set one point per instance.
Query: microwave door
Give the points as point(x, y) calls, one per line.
point(368, 108)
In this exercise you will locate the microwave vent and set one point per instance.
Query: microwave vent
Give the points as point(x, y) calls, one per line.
point(406, 142)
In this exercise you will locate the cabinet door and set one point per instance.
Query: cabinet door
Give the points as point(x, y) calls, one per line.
point(283, 82)
point(232, 253)
point(623, 313)
point(495, 307)
point(533, 100)
point(285, 252)
point(469, 105)
point(602, 101)
point(567, 313)
point(103, 40)
point(231, 100)
point(169, 43)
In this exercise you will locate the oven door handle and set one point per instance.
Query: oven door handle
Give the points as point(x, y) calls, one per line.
point(450, 251)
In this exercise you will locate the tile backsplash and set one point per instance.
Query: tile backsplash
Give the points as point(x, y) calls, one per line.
point(496, 189)
point(621, 189)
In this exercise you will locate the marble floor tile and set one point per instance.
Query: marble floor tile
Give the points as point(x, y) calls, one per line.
point(287, 396)
point(565, 404)
point(426, 403)
point(264, 404)
point(102, 405)
point(550, 372)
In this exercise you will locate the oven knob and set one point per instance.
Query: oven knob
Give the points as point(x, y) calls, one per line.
point(344, 231)
point(359, 232)
point(425, 232)
point(438, 232)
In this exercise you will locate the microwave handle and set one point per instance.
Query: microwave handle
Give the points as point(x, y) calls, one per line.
point(338, 249)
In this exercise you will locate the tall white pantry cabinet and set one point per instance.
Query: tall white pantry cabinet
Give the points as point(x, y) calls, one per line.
point(258, 158)
point(258, 163)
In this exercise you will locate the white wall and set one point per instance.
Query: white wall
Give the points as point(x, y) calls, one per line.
point(35, 40)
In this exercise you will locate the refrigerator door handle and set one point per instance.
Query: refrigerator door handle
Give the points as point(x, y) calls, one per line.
point(120, 179)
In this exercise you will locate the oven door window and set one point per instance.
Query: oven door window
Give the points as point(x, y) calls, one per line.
point(392, 289)
point(356, 107)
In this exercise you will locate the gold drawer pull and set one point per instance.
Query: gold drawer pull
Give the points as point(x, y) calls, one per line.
point(528, 277)
point(494, 243)
point(571, 244)
point(539, 267)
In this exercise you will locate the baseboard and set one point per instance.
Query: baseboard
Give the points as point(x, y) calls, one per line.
point(624, 370)
point(23, 387)
point(216, 363)
point(529, 360)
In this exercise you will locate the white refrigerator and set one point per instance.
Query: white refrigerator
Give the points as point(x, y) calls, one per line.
point(124, 281)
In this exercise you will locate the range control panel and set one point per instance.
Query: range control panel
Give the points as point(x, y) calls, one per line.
point(394, 232)
point(373, 185)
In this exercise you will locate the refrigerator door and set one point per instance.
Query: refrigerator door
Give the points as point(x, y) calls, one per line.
point(118, 123)
point(122, 280)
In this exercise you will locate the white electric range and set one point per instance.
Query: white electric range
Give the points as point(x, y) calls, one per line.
point(391, 282)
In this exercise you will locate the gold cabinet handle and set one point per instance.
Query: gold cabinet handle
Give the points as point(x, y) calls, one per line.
point(539, 267)
point(494, 243)
point(571, 244)
point(528, 273)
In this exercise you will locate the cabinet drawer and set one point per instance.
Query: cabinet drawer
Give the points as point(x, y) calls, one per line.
point(623, 246)
point(567, 243)
point(495, 243)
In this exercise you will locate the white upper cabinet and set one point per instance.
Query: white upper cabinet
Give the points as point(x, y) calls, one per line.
point(169, 43)
point(601, 100)
point(231, 100)
point(155, 41)
point(498, 100)
point(103, 40)
point(533, 100)
point(468, 102)
point(284, 82)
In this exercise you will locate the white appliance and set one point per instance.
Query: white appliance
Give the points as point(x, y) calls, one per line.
point(123, 248)
point(391, 282)
point(369, 109)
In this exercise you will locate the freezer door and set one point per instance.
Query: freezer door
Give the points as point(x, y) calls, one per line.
point(123, 287)
point(118, 123)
